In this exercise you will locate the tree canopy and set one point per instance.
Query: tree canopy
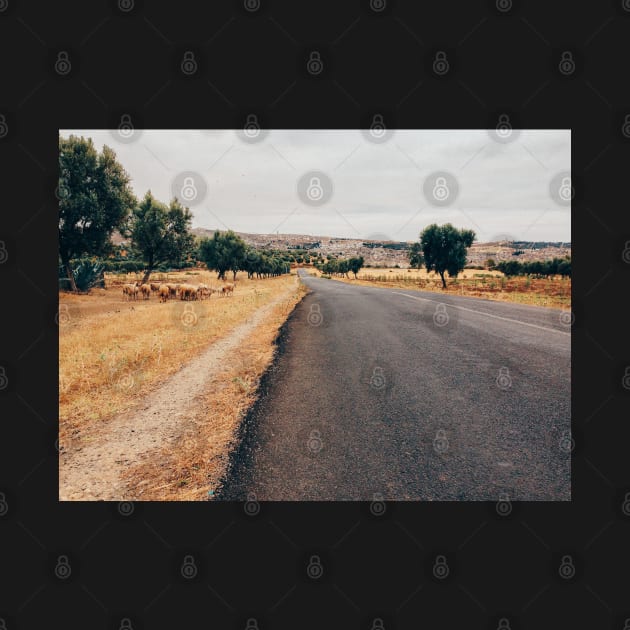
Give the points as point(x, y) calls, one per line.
point(444, 248)
point(223, 252)
point(416, 258)
point(355, 263)
point(536, 268)
point(160, 233)
point(95, 198)
point(341, 266)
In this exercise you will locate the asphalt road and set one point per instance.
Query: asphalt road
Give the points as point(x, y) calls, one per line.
point(404, 395)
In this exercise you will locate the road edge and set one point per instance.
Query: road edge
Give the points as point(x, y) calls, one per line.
point(242, 452)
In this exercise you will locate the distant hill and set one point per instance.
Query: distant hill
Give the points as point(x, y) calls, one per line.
point(389, 253)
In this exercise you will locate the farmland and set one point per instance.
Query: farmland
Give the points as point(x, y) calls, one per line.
point(114, 354)
point(492, 285)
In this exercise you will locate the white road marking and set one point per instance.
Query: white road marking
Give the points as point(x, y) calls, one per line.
point(470, 310)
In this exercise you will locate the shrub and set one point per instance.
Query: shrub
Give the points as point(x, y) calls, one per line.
point(87, 272)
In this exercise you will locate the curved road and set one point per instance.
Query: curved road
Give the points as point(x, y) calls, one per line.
point(410, 395)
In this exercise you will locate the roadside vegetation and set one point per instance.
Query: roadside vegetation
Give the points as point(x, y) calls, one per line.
point(111, 352)
point(141, 297)
point(341, 266)
point(552, 292)
point(96, 203)
point(441, 252)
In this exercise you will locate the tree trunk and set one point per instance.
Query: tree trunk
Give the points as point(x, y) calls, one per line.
point(234, 275)
point(70, 275)
point(443, 281)
point(147, 273)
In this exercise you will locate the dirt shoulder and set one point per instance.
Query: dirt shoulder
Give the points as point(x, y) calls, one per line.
point(175, 441)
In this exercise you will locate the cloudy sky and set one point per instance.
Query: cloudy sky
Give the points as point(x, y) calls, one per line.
point(369, 186)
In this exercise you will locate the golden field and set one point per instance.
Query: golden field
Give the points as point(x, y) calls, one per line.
point(491, 285)
point(114, 353)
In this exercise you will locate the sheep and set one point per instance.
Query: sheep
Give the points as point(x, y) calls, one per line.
point(164, 293)
point(172, 289)
point(188, 292)
point(228, 289)
point(155, 286)
point(203, 290)
point(131, 291)
point(146, 291)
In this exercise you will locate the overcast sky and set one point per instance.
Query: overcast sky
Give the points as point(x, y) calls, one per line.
point(378, 189)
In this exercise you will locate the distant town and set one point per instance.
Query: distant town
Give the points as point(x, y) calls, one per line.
point(389, 253)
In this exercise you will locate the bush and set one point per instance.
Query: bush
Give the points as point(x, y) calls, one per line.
point(88, 273)
point(123, 266)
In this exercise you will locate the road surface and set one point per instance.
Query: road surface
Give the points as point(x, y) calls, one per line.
point(403, 395)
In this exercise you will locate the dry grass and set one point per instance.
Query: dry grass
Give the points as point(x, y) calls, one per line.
point(491, 285)
point(113, 352)
point(190, 469)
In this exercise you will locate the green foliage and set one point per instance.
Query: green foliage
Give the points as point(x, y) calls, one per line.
point(95, 199)
point(160, 233)
point(510, 268)
point(87, 273)
point(355, 263)
point(264, 263)
point(537, 268)
point(416, 257)
point(342, 266)
point(225, 251)
point(444, 248)
point(123, 266)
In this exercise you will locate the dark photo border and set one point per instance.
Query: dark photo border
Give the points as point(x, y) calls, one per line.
point(77, 65)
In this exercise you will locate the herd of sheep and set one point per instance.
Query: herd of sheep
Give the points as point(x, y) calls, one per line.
point(170, 290)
